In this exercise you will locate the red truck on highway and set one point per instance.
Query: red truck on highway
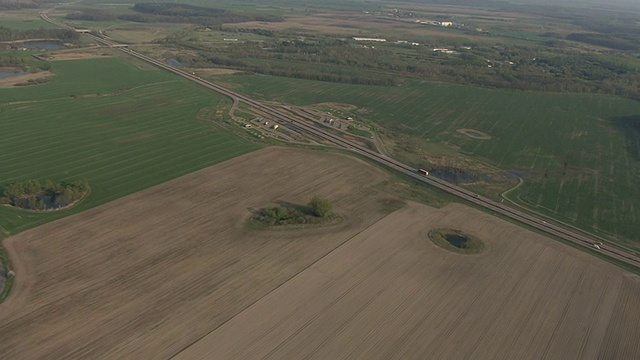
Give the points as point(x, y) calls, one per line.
point(423, 172)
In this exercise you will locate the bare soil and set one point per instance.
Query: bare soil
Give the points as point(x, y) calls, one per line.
point(390, 293)
point(149, 274)
point(173, 270)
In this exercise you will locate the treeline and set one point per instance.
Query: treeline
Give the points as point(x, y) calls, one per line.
point(34, 195)
point(359, 79)
point(517, 67)
point(191, 14)
point(282, 69)
point(91, 15)
point(17, 4)
point(7, 34)
point(12, 61)
point(322, 63)
point(256, 31)
point(625, 42)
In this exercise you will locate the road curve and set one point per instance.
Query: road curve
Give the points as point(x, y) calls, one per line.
point(300, 124)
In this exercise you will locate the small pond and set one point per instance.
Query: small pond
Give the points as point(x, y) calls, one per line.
point(48, 200)
point(456, 240)
point(519, 173)
point(458, 175)
point(174, 63)
point(10, 74)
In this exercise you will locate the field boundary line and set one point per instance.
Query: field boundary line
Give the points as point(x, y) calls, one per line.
point(282, 284)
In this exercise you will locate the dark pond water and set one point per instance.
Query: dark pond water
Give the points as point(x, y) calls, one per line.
point(174, 62)
point(41, 45)
point(518, 173)
point(8, 74)
point(456, 240)
point(459, 175)
point(47, 199)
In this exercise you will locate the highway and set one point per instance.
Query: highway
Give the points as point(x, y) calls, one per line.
point(300, 124)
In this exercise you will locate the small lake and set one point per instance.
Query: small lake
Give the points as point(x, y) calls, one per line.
point(174, 63)
point(48, 200)
point(458, 175)
point(518, 173)
point(456, 240)
point(41, 45)
point(10, 74)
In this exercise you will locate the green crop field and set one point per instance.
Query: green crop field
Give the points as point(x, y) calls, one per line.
point(119, 126)
point(23, 19)
point(26, 24)
point(578, 154)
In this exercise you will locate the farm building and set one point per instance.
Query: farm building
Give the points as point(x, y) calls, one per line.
point(368, 39)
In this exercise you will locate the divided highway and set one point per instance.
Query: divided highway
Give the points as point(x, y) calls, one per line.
point(300, 124)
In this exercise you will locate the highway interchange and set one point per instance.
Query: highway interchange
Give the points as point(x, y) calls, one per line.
point(302, 125)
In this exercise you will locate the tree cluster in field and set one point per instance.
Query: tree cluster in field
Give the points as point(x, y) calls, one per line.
point(12, 61)
point(318, 210)
point(35, 195)
point(17, 61)
point(190, 14)
point(66, 35)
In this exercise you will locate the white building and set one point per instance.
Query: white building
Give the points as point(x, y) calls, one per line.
point(368, 39)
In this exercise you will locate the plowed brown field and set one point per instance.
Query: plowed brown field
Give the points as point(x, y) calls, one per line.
point(390, 293)
point(173, 270)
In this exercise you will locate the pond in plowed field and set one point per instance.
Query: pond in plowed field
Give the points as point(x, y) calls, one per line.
point(456, 240)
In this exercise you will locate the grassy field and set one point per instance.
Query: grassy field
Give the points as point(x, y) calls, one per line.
point(23, 19)
point(121, 127)
point(576, 153)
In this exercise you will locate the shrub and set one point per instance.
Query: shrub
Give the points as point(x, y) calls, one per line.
point(320, 207)
point(318, 211)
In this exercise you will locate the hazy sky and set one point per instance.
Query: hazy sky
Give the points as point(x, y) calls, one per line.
point(602, 3)
point(599, 2)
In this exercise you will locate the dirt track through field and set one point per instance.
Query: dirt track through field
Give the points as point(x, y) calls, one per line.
point(173, 270)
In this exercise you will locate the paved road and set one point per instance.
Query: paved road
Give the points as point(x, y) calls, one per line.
point(300, 124)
